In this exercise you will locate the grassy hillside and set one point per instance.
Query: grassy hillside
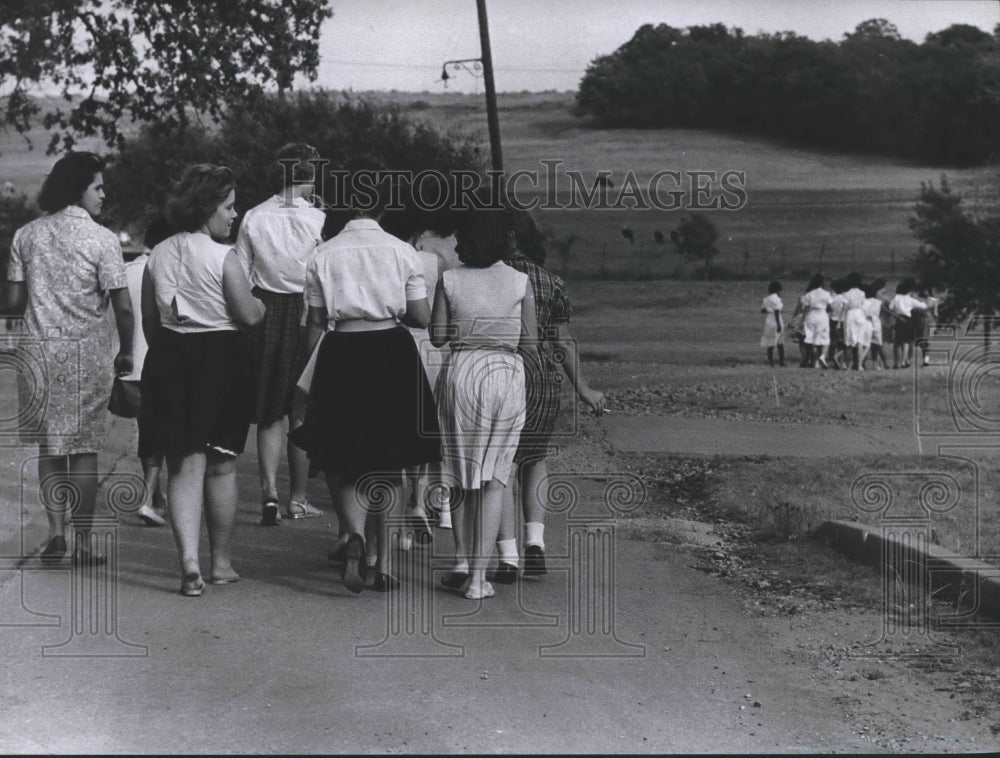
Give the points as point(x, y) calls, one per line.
point(803, 206)
point(805, 209)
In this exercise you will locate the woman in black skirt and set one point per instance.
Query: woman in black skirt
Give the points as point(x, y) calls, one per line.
point(370, 412)
point(197, 390)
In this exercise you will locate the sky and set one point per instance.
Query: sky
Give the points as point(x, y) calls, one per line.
point(547, 44)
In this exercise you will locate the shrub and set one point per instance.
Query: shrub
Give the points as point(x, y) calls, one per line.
point(339, 127)
point(15, 212)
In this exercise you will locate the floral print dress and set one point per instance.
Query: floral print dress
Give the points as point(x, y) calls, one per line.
point(69, 263)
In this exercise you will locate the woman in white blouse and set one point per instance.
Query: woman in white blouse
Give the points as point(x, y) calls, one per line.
point(197, 388)
point(370, 412)
point(816, 324)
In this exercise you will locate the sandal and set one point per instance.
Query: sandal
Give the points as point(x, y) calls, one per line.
point(224, 579)
point(270, 513)
point(302, 509)
point(192, 585)
point(150, 517)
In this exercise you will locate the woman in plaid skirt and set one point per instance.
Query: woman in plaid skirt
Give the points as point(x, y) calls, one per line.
point(543, 382)
point(277, 239)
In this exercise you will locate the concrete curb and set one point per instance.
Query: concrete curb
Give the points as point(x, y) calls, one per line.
point(948, 574)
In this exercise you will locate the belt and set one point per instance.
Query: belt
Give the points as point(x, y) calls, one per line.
point(460, 347)
point(364, 325)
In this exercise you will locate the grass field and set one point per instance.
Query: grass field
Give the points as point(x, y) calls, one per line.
point(690, 349)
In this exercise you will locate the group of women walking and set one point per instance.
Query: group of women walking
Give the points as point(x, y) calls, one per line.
point(301, 328)
point(842, 326)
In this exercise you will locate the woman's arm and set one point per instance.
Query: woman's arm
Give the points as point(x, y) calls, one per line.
point(529, 320)
point(439, 318)
point(418, 313)
point(247, 310)
point(316, 324)
point(566, 347)
point(150, 312)
point(121, 302)
point(14, 299)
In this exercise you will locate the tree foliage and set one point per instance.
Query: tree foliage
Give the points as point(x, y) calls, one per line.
point(140, 174)
point(695, 238)
point(958, 253)
point(873, 91)
point(15, 211)
point(148, 61)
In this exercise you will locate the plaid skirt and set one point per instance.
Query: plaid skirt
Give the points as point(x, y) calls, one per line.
point(277, 345)
point(543, 386)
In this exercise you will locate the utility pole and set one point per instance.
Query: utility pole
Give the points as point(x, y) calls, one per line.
point(491, 93)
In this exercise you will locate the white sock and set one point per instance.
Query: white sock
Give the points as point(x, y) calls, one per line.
point(508, 551)
point(535, 534)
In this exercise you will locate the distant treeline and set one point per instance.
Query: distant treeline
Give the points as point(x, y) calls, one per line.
point(935, 102)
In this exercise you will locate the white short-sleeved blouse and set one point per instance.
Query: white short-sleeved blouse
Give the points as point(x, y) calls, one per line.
point(364, 273)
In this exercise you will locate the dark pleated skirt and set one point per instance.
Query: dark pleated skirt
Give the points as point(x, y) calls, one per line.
point(197, 394)
point(370, 406)
point(277, 345)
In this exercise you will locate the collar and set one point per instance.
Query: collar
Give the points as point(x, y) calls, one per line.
point(75, 210)
point(362, 223)
point(298, 202)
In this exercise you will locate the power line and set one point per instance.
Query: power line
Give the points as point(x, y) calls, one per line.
point(438, 68)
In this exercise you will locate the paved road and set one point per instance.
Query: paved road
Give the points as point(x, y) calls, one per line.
point(623, 647)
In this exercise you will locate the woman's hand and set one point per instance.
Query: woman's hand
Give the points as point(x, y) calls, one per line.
point(123, 363)
point(594, 399)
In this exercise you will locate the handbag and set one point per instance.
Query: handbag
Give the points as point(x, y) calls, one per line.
point(125, 398)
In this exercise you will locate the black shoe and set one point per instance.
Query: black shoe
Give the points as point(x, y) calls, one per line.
point(385, 583)
point(355, 564)
point(270, 514)
point(84, 557)
point(534, 561)
point(505, 574)
point(54, 549)
point(455, 579)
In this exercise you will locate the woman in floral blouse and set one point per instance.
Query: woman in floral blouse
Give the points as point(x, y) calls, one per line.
point(64, 269)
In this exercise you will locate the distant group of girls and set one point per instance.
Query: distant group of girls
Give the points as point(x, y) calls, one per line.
point(301, 328)
point(851, 322)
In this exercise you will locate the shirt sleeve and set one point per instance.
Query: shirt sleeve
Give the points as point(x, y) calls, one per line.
point(111, 265)
point(244, 251)
point(416, 288)
point(560, 309)
point(314, 290)
point(15, 267)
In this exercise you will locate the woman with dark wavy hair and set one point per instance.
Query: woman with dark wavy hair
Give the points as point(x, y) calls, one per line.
point(64, 269)
point(197, 387)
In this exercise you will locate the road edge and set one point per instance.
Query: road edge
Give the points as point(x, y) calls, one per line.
point(949, 574)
